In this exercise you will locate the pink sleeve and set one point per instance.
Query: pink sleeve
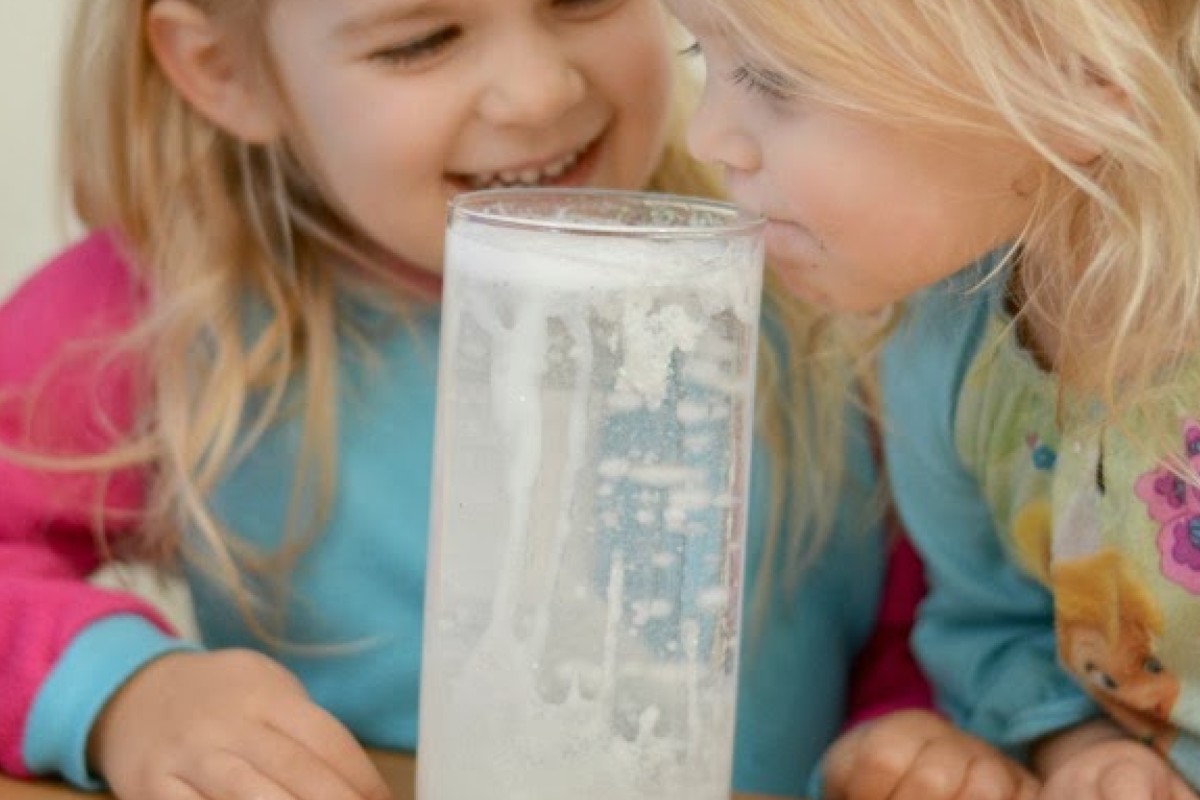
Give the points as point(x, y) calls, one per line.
point(885, 676)
point(60, 394)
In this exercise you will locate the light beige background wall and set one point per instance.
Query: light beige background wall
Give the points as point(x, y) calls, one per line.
point(31, 34)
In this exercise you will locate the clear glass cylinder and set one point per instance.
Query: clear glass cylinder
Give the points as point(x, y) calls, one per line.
point(589, 497)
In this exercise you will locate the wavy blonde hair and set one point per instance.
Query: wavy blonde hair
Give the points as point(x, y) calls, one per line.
point(214, 226)
point(1110, 259)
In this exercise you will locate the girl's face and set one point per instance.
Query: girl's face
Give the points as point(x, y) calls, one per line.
point(860, 214)
point(402, 104)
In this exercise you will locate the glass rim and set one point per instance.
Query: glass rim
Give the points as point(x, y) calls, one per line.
point(472, 207)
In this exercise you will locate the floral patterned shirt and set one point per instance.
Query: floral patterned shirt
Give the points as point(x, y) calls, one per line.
point(1106, 517)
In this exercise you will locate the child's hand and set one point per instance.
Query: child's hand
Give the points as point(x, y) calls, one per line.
point(1095, 762)
point(228, 725)
point(917, 755)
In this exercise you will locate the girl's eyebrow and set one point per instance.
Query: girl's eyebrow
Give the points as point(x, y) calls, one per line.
point(393, 12)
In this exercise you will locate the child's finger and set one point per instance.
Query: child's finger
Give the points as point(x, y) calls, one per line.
point(1129, 780)
point(224, 775)
point(319, 732)
point(838, 764)
point(937, 772)
point(991, 778)
point(880, 765)
point(304, 774)
point(1029, 787)
point(177, 789)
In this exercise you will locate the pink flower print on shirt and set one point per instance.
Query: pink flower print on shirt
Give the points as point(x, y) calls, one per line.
point(1175, 504)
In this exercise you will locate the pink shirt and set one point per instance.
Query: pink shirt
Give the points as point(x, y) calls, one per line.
point(47, 544)
point(886, 676)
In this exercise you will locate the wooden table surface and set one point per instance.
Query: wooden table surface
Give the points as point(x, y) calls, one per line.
point(398, 769)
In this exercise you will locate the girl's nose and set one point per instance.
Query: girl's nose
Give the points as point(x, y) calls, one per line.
point(534, 85)
point(717, 134)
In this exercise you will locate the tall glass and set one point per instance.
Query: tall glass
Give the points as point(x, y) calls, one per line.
point(589, 497)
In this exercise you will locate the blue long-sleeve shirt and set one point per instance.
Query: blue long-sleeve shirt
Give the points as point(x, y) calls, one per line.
point(985, 634)
point(361, 583)
point(364, 577)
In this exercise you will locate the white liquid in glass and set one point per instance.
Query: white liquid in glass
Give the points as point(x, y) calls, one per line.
point(585, 573)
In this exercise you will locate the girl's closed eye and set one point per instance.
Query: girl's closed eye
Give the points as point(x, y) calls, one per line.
point(767, 82)
point(419, 49)
point(586, 9)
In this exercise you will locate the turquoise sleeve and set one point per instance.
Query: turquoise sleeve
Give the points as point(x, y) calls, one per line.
point(985, 634)
point(798, 649)
point(96, 664)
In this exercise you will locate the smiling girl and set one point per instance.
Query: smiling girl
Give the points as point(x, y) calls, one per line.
point(235, 373)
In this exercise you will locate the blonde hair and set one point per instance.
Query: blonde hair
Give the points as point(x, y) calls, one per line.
point(1111, 255)
point(215, 227)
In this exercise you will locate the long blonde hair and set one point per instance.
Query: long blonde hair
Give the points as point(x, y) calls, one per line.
point(214, 227)
point(1111, 256)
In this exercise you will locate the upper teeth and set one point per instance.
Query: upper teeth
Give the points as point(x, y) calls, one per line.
point(526, 177)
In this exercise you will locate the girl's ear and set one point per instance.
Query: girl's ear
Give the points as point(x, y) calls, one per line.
point(203, 65)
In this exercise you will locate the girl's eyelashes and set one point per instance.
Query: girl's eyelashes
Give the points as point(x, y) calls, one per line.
point(417, 50)
point(583, 3)
point(762, 81)
point(585, 10)
point(429, 45)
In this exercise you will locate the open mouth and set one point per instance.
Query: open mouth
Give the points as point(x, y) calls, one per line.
point(570, 169)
